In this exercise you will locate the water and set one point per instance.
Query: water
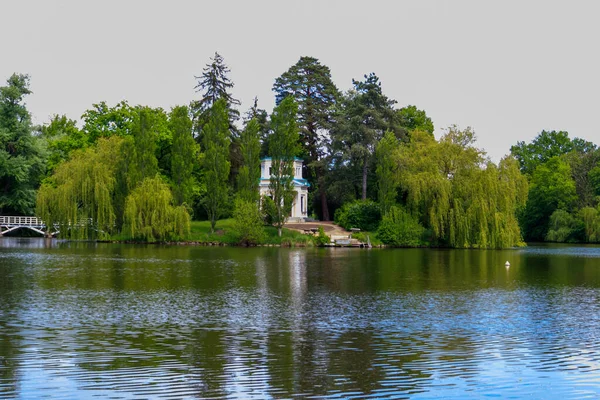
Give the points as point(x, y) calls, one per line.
point(83, 320)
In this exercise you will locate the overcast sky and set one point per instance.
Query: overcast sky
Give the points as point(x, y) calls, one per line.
point(506, 68)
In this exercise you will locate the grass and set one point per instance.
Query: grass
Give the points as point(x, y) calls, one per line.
point(200, 232)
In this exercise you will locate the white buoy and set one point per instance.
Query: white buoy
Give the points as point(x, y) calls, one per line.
point(507, 264)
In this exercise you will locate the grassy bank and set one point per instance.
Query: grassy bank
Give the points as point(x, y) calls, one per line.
point(200, 233)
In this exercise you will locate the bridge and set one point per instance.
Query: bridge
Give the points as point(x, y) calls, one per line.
point(9, 224)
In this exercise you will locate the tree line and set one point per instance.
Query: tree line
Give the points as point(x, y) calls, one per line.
point(144, 172)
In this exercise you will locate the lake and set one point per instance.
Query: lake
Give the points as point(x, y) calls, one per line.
point(87, 320)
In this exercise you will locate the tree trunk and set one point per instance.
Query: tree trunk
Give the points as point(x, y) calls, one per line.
point(364, 181)
point(323, 195)
point(279, 231)
point(324, 209)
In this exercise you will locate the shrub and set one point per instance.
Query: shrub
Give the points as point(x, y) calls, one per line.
point(268, 209)
point(247, 223)
point(364, 215)
point(399, 228)
point(322, 239)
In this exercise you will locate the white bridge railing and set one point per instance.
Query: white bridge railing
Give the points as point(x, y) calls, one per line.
point(10, 223)
point(21, 221)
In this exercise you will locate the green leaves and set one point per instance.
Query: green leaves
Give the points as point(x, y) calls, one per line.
point(283, 148)
point(216, 161)
point(150, 214)
point(184, 151)
point(22, 156)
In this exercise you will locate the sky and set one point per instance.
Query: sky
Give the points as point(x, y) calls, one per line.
point(508, 69)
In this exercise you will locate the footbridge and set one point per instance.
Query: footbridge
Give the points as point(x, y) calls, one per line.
point(9, 224)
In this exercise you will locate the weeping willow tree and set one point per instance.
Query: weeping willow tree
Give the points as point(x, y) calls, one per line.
point(150, 214)
point(462, 198)
point(78, 197)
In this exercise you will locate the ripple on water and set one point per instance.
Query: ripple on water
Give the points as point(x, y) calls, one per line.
point(186, 341)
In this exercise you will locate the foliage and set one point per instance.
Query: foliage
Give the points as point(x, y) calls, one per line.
point(183, 155)
point(551, 188)
point(216, 162)
point(364, 115)
point(249, 173)
point(594, 178)
point(364, 215)
point(264, 126)
point(248, 224)
point(563, 227)
point(590, 218)
point(150, 214)
point(546, 145)
point(142, 150)
point(22, 158)
point(462, 199)
point(582, 171)
point(399, 228)
point(214, 84)
point(102, 121)
point(62, 137)
point(386, 171)
point(411, 119)
point(268, 210)
point(79, 196)
point(322, 239)
point(309, 83)
point(283, 148)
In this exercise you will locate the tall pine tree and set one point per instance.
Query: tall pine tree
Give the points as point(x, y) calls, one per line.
point(364, 116)
point(309, 83)
point(214, 84)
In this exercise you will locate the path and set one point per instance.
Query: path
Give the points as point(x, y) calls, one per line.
point(330, 228)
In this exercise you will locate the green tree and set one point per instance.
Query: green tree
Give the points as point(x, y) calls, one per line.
point(364, 116)
point(582, 164)
point(283, 149)
point(249, 174)
point(590, 217)
point(386, 171)
point(551, 188)
point(410, 118)
point(214, 84)
point(463, 199)
point(216, 163)
point(151, 215)
point(22, 158)
point(309, 83)
point(264, 124)
point(79, 196)
point(104, 121)
point(546, 145)
point(183, 155)
point(562, 227)
point(62, 137)
point(248, 225)
point(142, 147)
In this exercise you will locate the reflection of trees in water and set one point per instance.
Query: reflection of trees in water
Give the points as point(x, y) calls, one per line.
point(13, 291)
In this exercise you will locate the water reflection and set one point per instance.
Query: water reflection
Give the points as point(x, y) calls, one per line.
point(84, 319)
